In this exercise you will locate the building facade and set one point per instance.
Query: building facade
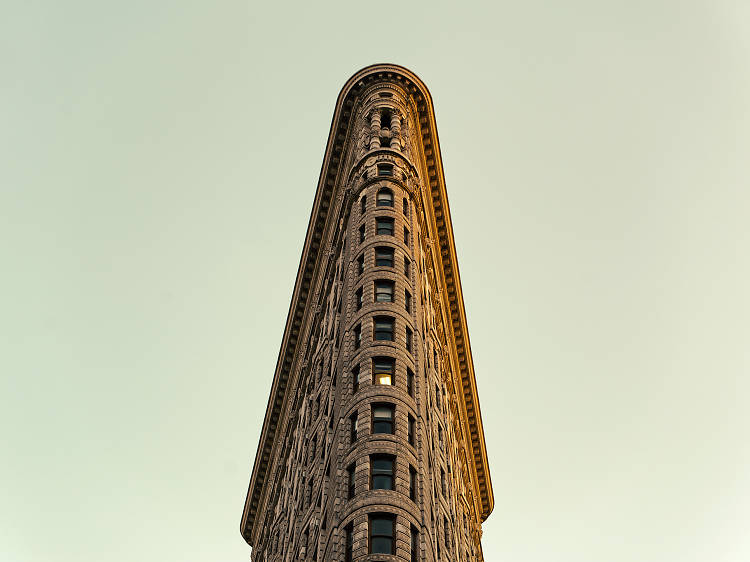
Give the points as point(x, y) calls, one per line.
point(372, 446)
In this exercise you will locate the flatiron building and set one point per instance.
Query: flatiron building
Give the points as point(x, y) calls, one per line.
point(372, 445)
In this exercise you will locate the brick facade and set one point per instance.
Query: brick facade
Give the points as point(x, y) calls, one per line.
point(373, 439)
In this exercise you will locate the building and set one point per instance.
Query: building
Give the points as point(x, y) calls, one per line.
point(372, 446)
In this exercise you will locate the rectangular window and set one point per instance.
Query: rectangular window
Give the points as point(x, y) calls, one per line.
point(383, 370)
point(361, 233)
point(384, 291)
point(353, 427)
point(407, 263)
point(410, 382)
point(408, 339)
point(363, 204)
point(406, 206)
point(382, 536)
point(385, 170)
point(348, 542)
point(384, 226)
point(355, 379)
point(406, 235)
point(381, 472)
point(442, 483)
point(382, 418)
point(383, 328)
point(384, 257)
point(357, 336)
point(437, 396)
point(412, 430)
point(361, 264)
point(358, 298)
point(407, 300)
point(351, 481)
point(412, 483)
point(384, 198)
point(415, 545)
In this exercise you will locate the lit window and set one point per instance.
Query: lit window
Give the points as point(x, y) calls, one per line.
point(381, 472)
point(382, 418)
point(384, 226)
point(383, 291)
point(384, 257)
point(383, 370)
point(385, 198)
point(382, 534)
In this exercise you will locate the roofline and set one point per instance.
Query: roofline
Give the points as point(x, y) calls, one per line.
point(311, 254)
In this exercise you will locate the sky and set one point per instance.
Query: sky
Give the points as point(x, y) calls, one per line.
point(158, 163)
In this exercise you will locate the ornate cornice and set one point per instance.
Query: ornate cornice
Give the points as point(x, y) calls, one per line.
point(332, 180)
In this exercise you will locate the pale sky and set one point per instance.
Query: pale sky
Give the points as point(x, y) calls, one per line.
point(158, 163)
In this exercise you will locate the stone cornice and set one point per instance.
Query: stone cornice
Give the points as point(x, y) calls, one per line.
point(332, 180)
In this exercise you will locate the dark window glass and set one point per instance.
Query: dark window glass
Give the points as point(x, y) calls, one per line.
point(415, 544)
point(384, 226)
point(384, 257)
point(407, 300)
point(383, 291)
point(383, 370)
point(381, 534)
point(348, 548)
point(442, 482)
point(407, 263)
point(383, 328)
point(350, 480)
point(406, 206)
point(410, 382)
point(357, 336)
point(363, 204)
point(382, 418)
point(412, 430)
point(385, 169)
point(412, 483)
point(361, 233)
point(408, 339)
point(358, 298)
point(381, 472)
point(355, 379)
point(406, 235)
point(361, 264)
point(353, 427)
point(385, 198)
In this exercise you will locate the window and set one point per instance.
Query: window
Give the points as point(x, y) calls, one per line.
point(381, 472)
point(349, 543)
point(384, 257)
point(412, 483)
point(382, 534)
point(410, 382)
point(351, 481)
point(406, 206)
point(385, 170)
point(406, 235)
point(383, 291)
point(408, 339)
point(407, 300)
point(353, 427)
point(446, 530)
point(361, 233)
point(363, 204)
point(383, 370)
point(382, 418)
point(357, 336)
point(361, 264)
point(437, 396)
point(355, 379)
point(383, 328)
point(358, 298)
point(412, 430)
point(442, 482)
point(407, 263)
point(385, 198)
point(384, 226)
point(415, 544)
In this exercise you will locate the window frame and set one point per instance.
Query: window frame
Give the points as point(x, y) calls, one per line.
point(389, 474)
point(388, 260)
point(390, 422)
point(385, 226)
point(372, 517)
point(384, 287)
point(379, 333)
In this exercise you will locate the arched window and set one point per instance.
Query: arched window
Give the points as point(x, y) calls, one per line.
point(385, 198)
